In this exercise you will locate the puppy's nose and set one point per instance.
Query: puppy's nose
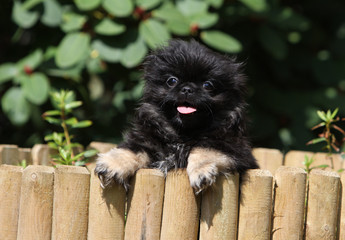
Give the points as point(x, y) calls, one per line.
point(187, 90)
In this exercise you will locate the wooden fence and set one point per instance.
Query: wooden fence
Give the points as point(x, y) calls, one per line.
point(42, 202)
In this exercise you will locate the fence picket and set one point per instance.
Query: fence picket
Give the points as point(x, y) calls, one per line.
point(181, 208)
point(219, 209)
point(322, 210)
point(268, 159)
point(71, 201)
point(289, 204)
point(255, 205)
point(10, 184)
point(36, 203)
point(145, 204)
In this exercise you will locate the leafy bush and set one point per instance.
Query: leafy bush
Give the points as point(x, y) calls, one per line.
point(294, 50)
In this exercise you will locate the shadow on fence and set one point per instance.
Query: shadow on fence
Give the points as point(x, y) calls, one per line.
point(42, 202)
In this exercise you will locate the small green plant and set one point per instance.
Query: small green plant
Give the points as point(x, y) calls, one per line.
point(23, 163)
point(327, 135)
point(308, 161)
point(64, 104)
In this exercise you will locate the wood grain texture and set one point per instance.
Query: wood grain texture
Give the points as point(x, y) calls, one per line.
point(255, 205)
point(71, 202)
point(268, 159)
point(106, 211)
point(296, 158)
point(219, 209)
point(181, 208)
point(145, 204)
point(289, 204)
point(25, 154)
point(322, 210)
point(9, 154)
point(36, 203)
point(41, 155)
point(10, 185)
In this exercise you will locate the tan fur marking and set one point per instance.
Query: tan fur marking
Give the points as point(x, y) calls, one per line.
point(204, 164)
point(122, 162)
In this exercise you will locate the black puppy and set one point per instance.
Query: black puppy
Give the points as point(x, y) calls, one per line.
point(192, 115)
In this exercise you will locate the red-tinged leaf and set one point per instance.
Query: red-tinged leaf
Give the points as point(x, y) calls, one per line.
point(335, 147)
point(339, 129)
point(319, 125)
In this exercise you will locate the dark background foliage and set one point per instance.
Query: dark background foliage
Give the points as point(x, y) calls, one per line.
point(294, 53)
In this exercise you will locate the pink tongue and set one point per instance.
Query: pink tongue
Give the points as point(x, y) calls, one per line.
point(185, 110)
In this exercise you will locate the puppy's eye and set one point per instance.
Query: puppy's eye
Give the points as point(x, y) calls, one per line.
point(208, 86)
point(172, 81)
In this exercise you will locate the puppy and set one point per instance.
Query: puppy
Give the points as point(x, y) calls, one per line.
point(192, 115)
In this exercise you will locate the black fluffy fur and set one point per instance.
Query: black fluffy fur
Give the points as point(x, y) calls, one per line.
point(219, 122)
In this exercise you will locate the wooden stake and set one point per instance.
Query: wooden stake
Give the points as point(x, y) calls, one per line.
point(268, 159)
point(41, 155)
point(145, 205)
point(71, 202)
point(255, 205)
point(296, 158)
point(219, 209)
point(36, 203)
point(106, 211)
point(180, 209)
point(10, 184)
point(10, 154)
point(289, 207)
point(322, 212)
point(342, 212)
point(25, 154)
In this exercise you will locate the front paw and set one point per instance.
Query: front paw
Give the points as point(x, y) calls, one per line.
point(202, 178)
point(118, 165)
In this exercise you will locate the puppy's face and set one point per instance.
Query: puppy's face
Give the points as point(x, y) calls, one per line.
point(194, 87)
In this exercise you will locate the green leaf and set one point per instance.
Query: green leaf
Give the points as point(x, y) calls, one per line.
point(72, 21)
point(52, 113)
point(318, 140)
point(322, 115)
point(273, 43)
point(192, 7)
point(334, 114)
point(72, 49)
point(134, 53)
point(36, 88)
point(109, 28)
point(90, 153)
point(7, 72)
point(33, 60)
point(107, 52)
point(320, 166)
point(15, 106)
point(86, 5)
point(82, 124)
point(71, 121)
point(52, 15)
point(22, 17)
point(256, 5)
point(148, 4)
point(204, 20)
point(52, 120)
point(72, 105)
point(154, 33)
point(176, 22)
point(221, 41)
point(119, 8)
